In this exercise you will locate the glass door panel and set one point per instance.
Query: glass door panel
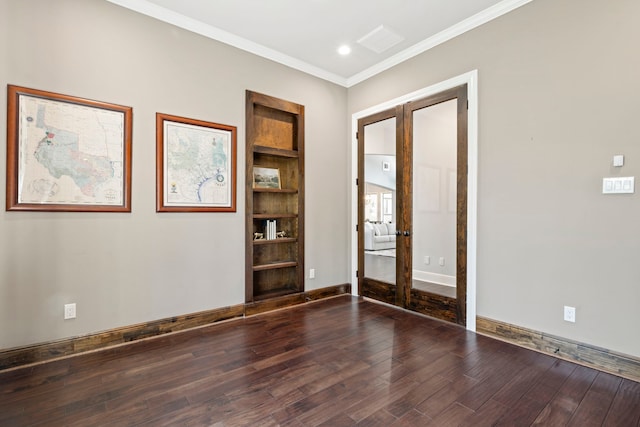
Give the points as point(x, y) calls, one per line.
point(380, 194)
point(434, 130)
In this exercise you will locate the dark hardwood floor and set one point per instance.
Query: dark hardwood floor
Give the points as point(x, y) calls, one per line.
point(337, 362)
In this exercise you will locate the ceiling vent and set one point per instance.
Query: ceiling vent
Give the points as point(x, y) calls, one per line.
point(380, 39)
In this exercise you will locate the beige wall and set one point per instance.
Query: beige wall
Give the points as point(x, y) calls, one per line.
point(558, 97)
point(123, 269)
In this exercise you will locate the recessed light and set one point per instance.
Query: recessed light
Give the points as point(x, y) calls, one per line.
point(344, 50)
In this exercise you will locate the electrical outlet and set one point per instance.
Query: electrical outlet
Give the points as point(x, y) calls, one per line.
point(312, 273)
point(570, 314)
point(427, 259)
point(441, 261)
point(70, 311)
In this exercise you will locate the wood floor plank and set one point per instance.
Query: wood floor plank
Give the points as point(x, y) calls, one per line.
point(416, 396)
point(324, 412)
point(625, 408)
point(396, 390)
point(378, 418)
point(591, 411)
point(593, 408)
point(523, 413)
point(318, 405)
point(452, 416)
point(445, 397)
point(487, 415)
point(527, 409)
point(412, 418)
point(561, 408)
point(521, 382)
point(489, 384)
point(343, 361)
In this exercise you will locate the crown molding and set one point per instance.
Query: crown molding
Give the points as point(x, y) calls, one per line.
point(150, 9)
point(162, 14)
point(462, 27)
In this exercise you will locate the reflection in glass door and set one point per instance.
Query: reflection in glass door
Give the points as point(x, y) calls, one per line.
point(377, 175)
point(380, 187)
point(435, 198)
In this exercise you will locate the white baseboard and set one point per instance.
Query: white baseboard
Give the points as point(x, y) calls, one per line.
point(439, 279)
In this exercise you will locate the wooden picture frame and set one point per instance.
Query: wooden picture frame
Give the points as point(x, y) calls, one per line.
point(66, 153)
point(266, 178)
point(195, 165)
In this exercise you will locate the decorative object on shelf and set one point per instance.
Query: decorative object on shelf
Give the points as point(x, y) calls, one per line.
point(195, 165)
point(266, 178)
point(258, 236)
point(281, 235)
point(66, 153)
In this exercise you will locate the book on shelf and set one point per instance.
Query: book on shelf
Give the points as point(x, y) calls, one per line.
point(270, 229)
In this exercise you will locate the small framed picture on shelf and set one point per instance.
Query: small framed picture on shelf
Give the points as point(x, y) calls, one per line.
point(266, 178)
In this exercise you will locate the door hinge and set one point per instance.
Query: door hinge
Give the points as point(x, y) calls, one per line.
point(356, 227)
point(357, 273)
point(357, 181)
point(357, 135)
point(467, 104)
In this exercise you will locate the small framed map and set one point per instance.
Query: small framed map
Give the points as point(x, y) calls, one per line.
point(195, 165)
point(66, 153)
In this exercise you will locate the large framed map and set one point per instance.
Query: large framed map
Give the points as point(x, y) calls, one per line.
point(195, 165)
point(66, 153)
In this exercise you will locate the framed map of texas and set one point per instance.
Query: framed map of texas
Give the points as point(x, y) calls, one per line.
point(195, 165)
point(66, 153)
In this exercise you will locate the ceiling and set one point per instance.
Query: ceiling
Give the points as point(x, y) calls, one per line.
point(305, 34)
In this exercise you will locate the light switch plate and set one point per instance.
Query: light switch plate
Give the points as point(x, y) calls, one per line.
point(618, 185)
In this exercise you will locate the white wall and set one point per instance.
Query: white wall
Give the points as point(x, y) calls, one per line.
point(122, 269)
point(375, 174)
point(558, 89)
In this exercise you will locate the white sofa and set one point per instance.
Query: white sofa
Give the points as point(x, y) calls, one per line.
point(379, 236)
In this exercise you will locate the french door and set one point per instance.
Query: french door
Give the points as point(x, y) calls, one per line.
point(412, 209)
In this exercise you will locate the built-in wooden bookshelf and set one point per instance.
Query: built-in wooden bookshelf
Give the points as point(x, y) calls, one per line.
point(275, 140)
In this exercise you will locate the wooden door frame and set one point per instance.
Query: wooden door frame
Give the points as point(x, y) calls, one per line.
point(470, 79)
